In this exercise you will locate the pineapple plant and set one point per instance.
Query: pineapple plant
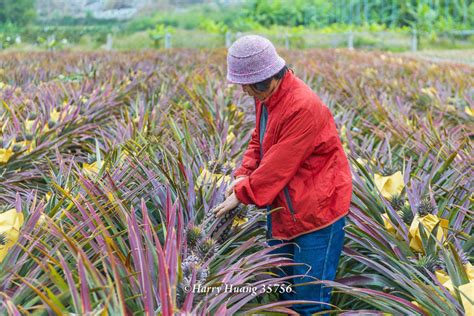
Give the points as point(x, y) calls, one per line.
point(91, 158)
point(51, 123)
point(406, 214)
point(32, 116)
point(221, 228)
point(207, 248)
point(189, 264)
point(3, 239)
point(194, 235)
point(441, 265)
point(425, 263)
point(424, 207)
point(17, 147)
point(397, 202)
point(219, 167)
point(388, 170)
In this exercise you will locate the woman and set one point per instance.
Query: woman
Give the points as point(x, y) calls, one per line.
point(294, 162)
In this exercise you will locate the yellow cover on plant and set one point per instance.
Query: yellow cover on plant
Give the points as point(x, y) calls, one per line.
point(10, 223)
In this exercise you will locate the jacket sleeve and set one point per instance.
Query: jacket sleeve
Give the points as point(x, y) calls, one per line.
point(251, 157)
point(281, 162)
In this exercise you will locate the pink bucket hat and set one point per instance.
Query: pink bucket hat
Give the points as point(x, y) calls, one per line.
point(251, 59)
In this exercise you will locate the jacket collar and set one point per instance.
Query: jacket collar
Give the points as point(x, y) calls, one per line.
point(285, 84)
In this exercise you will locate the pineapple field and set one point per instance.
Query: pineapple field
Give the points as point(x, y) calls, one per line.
point(111, 164)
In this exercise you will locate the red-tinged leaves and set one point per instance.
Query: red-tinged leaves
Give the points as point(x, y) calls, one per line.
point(72, 285)
point(222, 310)
point(164, 283)
point(141, 266)
point(85, 297)
point(8, 305)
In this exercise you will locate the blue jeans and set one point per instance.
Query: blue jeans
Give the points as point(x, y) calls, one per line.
point(319, 251)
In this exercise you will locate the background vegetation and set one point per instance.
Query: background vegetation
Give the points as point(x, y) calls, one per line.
point(313, 23)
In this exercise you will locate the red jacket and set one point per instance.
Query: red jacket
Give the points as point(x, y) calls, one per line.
point(303, 153)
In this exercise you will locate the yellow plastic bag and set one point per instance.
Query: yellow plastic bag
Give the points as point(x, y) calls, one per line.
point(29, 124)
point(467, 295)
point(230, 138)
point(466, 290)
point(389, 185)
point(5, 154)
point(24, 144)
point(469, 271)
point(429, 221)
point(206, 176)
point(90, 170)
point(389, 227)
point(444, 279)
point(54, 115)
point(240, 221)
point(469, 111)
point(10, 223)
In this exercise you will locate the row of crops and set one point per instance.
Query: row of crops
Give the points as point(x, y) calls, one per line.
point(110, 164)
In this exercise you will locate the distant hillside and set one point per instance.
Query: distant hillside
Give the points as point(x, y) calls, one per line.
point(113, 9)
point(100, 9)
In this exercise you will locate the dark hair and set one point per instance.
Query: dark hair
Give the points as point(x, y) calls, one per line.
point(265, 84)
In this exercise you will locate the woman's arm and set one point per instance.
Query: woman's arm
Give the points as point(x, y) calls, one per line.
point(281, 162)
point(251, 157)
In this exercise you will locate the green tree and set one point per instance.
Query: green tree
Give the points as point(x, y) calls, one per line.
point(19, 12)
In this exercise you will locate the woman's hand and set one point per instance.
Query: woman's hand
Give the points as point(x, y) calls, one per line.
point(229, 203)
point(230, 188)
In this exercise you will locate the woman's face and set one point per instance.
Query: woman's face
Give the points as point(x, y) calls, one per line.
point(261, 95)
point(251, 91)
